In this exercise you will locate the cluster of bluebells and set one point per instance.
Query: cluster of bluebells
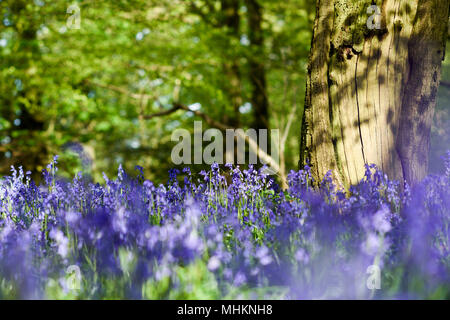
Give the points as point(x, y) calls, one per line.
point(230, 232)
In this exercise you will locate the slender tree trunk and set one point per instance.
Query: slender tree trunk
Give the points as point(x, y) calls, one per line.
point(371, 89)
point(231, 22)
point(259, 99)
point(28, 100)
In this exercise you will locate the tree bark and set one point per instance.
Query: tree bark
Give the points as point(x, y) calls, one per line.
point(371, 92)
point(427, 50)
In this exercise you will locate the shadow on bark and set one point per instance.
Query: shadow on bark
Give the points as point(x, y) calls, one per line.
point(371, 94)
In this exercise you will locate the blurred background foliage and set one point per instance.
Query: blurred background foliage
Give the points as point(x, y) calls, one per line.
point(85, 93)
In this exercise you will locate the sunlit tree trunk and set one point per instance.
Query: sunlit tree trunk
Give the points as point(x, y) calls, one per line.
point(371, 87)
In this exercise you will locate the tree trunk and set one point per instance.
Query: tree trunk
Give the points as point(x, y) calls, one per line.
point(231, 21)
point(259, 99)
point(371, 89)
point(26, 143)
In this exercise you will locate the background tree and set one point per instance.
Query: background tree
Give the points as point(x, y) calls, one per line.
point(371, 91)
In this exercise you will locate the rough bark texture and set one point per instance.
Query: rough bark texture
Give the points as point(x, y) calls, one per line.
point(427, 49)
point(316, 137)
point(371, 93)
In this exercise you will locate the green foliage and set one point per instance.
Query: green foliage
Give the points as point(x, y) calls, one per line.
point(128, 59)
point(193, 282)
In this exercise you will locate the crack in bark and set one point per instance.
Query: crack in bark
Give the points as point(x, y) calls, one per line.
point(357, 107)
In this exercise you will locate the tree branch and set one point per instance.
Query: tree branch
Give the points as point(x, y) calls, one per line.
point(161, 114)
point(208, 119)
point(253, 145)
point(136, 96)
point(289, 123)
